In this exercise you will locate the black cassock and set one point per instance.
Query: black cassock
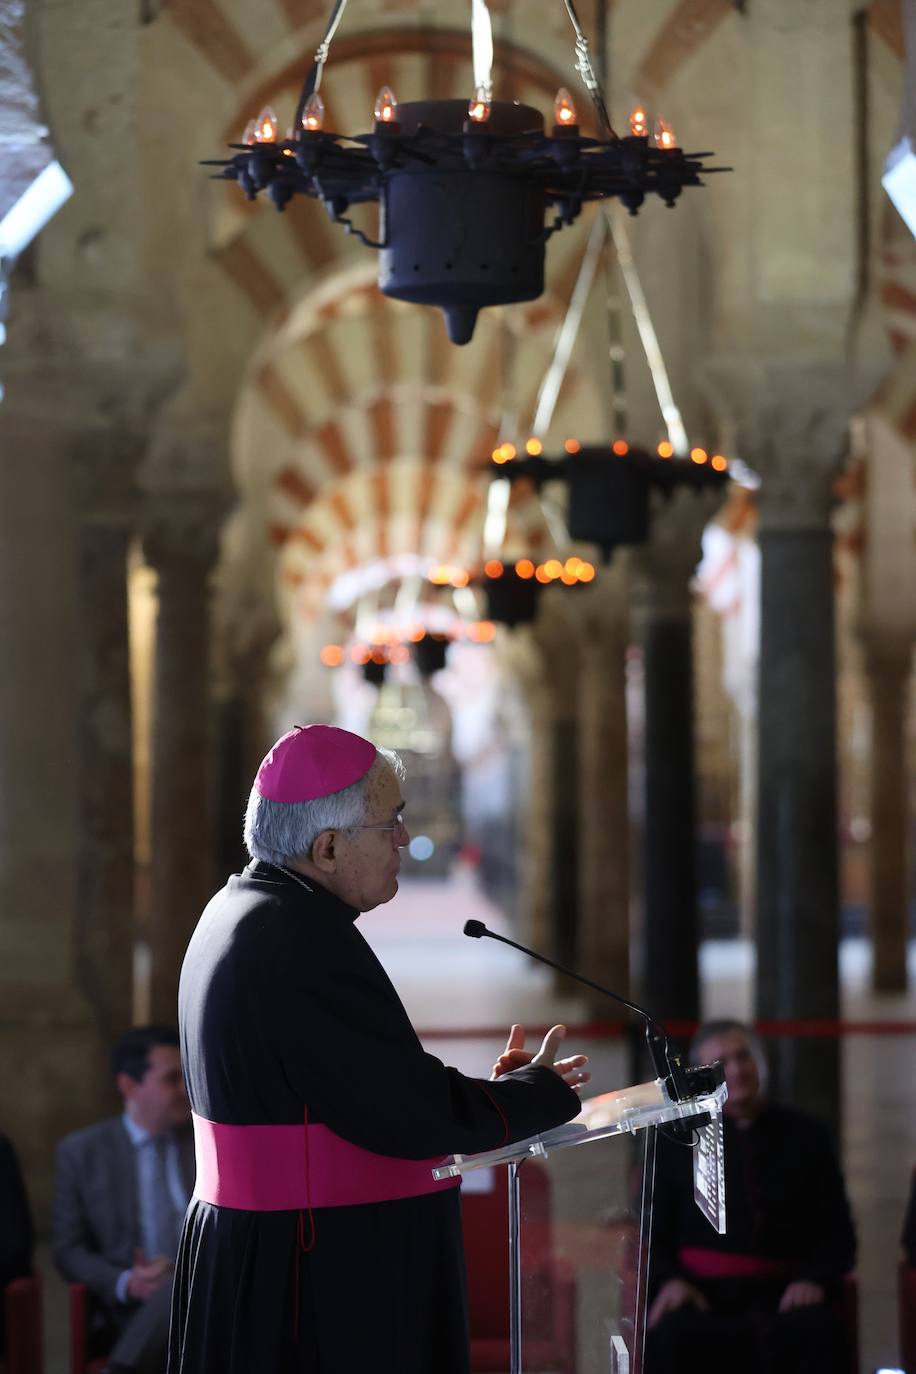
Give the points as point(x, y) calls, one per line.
point(283, 1006)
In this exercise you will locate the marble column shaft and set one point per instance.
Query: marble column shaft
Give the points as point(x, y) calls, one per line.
point(66, 839)
point(797, 444)
point(565, 877)
point(603, 948)
point(888, 667)
point(538, 855)
point(797, 860)
point(671, 984)
point(554, 817)
point(181, 546)
point(664, 568)
point(105, 875)
point(886, 625)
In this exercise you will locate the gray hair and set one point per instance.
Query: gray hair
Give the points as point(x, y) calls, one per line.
point(276, 832)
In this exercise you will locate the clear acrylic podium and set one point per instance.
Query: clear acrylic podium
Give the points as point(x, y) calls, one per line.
point(580, 1224)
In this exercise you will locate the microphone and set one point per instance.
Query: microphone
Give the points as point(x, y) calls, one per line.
point(667, 1065)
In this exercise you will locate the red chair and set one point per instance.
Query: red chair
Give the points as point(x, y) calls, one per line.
point(850, 1305)
point(25, 1352)
point(550, 1327)
point(906, 1312)
point(82, 1359)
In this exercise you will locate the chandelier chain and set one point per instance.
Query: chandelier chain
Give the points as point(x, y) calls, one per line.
point(313, 80)
point(586, 70)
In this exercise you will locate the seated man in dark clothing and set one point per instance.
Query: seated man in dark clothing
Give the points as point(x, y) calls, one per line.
point(762, 1297)
point(16, 1236)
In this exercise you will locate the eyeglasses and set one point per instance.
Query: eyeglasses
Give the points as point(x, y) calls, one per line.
point(396, 824)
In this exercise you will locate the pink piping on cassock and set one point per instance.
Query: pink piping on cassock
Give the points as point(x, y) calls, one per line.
point(263, 1169)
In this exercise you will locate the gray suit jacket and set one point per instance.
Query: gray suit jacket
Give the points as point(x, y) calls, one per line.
point(96, 1206)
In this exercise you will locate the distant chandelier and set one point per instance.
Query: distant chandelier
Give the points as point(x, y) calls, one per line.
point(462, 187)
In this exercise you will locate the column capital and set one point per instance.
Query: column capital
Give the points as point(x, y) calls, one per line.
point(604, 606)
point(249, 628)
point(558, 622)
point(181, 529)
point(104, 464)
point(798, 447)
point(789, 421)
point(188, 447)
point(664, 566)
point(79, 356)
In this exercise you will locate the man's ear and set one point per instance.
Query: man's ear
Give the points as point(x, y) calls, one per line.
point(125, 1085)
point(324, 855)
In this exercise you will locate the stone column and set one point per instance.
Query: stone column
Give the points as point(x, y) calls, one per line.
point(243, 733)
point(180, 542)
point(888, 663)
point(522, 656)
point(663, 571)
point(559, 648)
point(603, 949)
point(104, 465)
point(66, 843)
point(797, 448)
point(886, 623)
point(550, 667)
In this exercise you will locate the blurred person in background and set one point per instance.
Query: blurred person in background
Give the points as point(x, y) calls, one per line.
point(765, 1296)
point(121, 1190)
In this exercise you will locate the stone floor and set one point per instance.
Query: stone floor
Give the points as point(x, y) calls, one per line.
point(462, 994)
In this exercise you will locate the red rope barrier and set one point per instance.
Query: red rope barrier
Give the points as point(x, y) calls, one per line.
point(613, 1030)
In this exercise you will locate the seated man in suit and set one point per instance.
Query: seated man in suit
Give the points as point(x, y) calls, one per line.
point(121, 1191)
point(763, 1297)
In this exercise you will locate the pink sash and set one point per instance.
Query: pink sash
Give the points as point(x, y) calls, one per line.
point(287, 1168)
point(701, 1263)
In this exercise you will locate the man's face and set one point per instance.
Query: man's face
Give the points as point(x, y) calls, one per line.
point(742, 1073)
point(159, 1101)
point(369, 859)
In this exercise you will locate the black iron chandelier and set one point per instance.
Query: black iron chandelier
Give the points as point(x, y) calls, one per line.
point(609, 486)
point(463, 187)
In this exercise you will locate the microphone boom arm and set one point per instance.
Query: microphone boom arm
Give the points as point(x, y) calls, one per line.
point(668, 1066)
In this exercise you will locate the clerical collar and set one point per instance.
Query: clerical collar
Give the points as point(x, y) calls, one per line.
point(314, 888)
point(296, 877)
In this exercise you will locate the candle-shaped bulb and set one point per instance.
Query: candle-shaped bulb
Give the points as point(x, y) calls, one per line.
point(479, 107)
point(386, 107)
point(313, 114)
point(266, 126)
point(664, 134)
point(564, 111)
point(639, 122)
point(251, 132)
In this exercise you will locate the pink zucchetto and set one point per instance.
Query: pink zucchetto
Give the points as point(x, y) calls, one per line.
point(313, 761)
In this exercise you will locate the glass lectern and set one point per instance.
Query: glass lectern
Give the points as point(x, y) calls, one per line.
point(580, 1223)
